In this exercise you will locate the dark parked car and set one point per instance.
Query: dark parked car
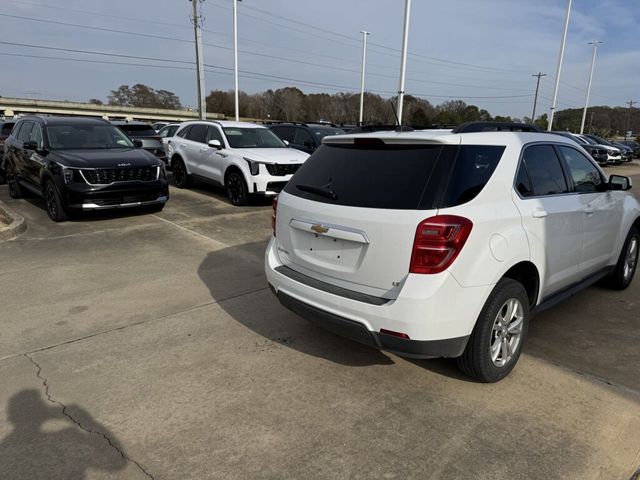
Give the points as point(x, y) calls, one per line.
point(150, 139)
point(627, 152)
point(635, 146)
point(5, 129)
point(599, 154)
point(81, 164)
point(304, 136)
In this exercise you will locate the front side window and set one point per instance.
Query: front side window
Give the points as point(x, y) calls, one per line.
point(214, 134)
point(25, 131)
point(586, 177)
point(252, 137)
point(36, 135)
point(544, 171)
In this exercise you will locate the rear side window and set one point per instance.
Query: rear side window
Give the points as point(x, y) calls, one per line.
point(542, 167)
point(285, 133)
point(473, 168)
point(183, 133)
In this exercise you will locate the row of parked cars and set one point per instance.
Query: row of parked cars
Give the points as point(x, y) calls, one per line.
point(605, 152)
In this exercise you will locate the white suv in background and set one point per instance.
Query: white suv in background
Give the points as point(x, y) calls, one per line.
point(244, 158)
point(445, 245)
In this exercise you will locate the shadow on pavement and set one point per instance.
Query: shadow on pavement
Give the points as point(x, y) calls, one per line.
point(46, 444)
point(231, 272)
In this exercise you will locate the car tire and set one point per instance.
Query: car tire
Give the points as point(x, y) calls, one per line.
point(53, 202)
point(496, 342)
point(625, 268)
point(181, 177)
point(15, 190)
point(236, 187)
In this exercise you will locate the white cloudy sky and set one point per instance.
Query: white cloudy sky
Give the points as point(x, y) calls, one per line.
point(482, 51)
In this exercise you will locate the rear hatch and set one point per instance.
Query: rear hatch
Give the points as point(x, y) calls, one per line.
point(349, 215)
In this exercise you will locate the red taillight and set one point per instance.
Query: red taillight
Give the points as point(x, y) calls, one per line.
point(438, 242)
point(274, 214)
point(394, 334)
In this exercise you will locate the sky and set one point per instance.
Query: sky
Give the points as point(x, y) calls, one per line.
point(481, 51)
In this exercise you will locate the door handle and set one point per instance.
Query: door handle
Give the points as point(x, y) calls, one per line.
point(588, 210)
point(540, 214)
point(203, 149)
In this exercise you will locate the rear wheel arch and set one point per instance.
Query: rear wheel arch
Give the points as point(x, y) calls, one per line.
point(527, 274)
point(177, 157)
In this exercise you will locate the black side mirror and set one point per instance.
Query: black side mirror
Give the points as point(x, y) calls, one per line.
point(30, 145)
point(137, 143)
point(620, 182)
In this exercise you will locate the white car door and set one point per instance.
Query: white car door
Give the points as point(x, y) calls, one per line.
point(195, 149)
point(602, 211)
point(551, 217)
point(214, 160)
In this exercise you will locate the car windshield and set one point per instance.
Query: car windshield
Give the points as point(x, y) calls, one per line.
point(320, 133)
point(65, 137)
point(600, 140)
point(138, 130)
point(252, 137)
point(588, 140)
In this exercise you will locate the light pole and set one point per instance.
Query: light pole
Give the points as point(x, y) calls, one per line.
point(630, 102)
point(197, 24)
point(535, 98)
point(235, 55)
point(559, 69)
point(595, 44)
point(364, 62)
point(403, 62)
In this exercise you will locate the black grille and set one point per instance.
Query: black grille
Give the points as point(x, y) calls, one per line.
point(279, 170)
point(102, 176)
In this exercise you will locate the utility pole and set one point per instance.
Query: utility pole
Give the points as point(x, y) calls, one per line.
point(535, 99)
point(403, 61)
point(197, 25)
point(235, 54)
point(630, 103)
point(559, 69)
point(364, 62)
point(595, 44)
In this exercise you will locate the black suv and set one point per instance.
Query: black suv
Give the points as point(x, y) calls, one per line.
point(81, 164)
point(304, 136)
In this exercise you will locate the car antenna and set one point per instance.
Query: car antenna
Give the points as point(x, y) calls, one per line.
point(399, 127)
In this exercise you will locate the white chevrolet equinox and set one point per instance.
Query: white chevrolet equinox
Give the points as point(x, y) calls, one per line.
point(445, 244)
point(244, 158)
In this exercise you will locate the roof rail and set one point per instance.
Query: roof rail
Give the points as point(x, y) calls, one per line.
point(470, 127)
point(381, 128)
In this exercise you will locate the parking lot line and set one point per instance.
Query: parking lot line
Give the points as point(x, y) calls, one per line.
point(218, 243)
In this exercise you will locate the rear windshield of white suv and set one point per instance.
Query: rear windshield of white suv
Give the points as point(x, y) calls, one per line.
point(404, 177)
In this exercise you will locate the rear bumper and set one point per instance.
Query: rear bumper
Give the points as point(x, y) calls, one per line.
point(451, 347)
point(435, 312)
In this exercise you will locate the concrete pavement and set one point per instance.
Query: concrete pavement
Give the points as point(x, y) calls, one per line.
point(148, 346)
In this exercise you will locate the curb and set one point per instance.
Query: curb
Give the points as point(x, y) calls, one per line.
point(15, 228)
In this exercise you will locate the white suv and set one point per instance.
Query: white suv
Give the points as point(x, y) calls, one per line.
point(244, 158)
point(445, 245)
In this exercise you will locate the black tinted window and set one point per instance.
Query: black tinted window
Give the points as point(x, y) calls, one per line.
point(545, 172)
point(25, 131)
point(387, 177)
point(473, 167)
point(523, 184)
point(183, 133)
point(6, 128)
point(138, 130)
point(302, 136)
point(214, 134)
point(586, 177)
point(285, 133)
point(198, 133)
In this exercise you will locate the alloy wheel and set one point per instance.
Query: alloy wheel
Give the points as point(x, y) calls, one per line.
point(235, 189)
point(506, 332)
point(631, 259)
point(178, 175)
point(51, 201)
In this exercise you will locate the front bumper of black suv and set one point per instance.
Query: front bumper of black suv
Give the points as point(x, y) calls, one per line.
point(78, 196)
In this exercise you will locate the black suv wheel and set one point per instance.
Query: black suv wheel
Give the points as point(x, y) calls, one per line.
point(52, 199)
point(15, 190)
point(237, 189)
point(180, 176)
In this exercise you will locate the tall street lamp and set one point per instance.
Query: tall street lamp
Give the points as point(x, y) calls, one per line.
point(595, 44)
point(403, 61)
point(364, 62)
point(235, 55)
point(559, 69)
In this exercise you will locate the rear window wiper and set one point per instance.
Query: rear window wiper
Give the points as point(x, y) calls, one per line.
point(323, 191)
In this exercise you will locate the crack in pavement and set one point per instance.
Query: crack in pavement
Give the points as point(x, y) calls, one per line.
point(77, 422)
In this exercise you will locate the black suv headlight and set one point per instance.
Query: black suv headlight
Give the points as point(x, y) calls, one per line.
point(71, 175)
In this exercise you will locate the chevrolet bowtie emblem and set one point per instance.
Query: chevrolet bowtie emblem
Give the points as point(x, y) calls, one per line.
point(318, 228)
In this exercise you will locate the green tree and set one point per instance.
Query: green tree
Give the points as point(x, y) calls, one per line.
point(143, 96)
